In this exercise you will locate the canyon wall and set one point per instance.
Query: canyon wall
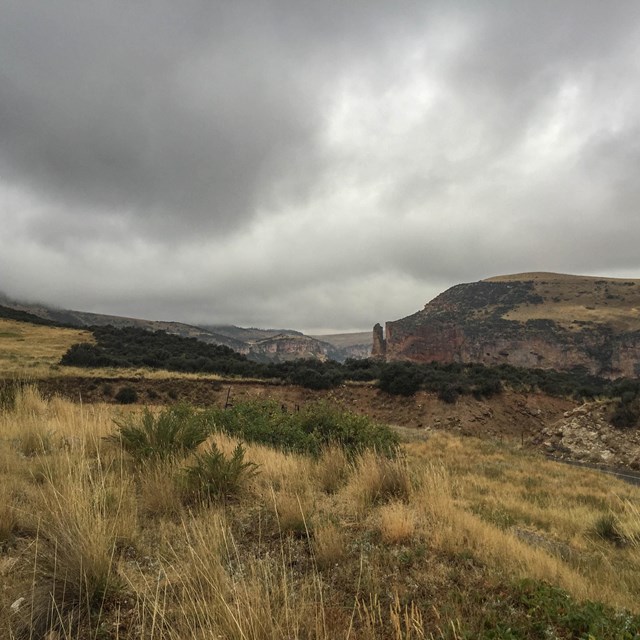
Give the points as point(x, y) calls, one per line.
point(548, 321)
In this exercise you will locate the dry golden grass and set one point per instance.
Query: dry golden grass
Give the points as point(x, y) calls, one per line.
point(404, 548)
point(332, 469)
point(32, 350)
point(29, 351)
point(397, 522)
point(330, 544)
point(376, 480)
point(8, 515)
point(567, 299)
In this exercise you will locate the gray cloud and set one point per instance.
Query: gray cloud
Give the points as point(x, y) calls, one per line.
point(316, 165)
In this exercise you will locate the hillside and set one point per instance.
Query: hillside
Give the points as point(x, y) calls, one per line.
point(536, 320)
point(261, 345)
point(102, 536)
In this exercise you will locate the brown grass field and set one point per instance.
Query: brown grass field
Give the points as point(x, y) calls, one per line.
point(427, 545)
point(572, 299)
point(456, 537)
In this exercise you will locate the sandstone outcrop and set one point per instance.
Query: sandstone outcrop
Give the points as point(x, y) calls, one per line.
point(537, 320)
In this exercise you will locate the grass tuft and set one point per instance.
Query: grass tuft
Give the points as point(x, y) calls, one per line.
point(75, 566)
point(173, 432)
point(215, 478)
point(608, 528)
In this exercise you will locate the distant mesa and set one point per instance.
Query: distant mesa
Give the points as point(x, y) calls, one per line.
point(533, 320)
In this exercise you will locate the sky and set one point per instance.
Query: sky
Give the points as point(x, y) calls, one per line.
point(321, 166)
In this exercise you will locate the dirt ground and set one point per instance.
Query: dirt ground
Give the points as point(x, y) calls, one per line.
point(508, 415)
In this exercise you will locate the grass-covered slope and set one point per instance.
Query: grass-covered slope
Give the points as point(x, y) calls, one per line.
point(454, 538)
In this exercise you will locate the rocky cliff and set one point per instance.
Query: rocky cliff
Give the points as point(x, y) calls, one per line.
point(545, 320)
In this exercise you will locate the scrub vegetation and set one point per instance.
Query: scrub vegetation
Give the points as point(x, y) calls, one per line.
point(134, 348)
point(176, 523)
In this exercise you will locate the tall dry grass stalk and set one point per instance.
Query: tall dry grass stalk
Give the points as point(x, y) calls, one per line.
point(405, 621)
point(376, 480)
point(85, 519)
point(332, 469)
point(8, 514)
point(330, 545)
point(397, 522)
point(211, 593)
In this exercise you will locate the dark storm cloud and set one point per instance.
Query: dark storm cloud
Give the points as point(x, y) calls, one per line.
point(188, 114)
point(312, 164)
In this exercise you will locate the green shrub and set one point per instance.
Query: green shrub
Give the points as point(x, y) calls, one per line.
point(533, 609)
point(310, 430)
point(215, 478)
point(449, 394)
point(173, 432)
point(107, 389)
point(400, 378)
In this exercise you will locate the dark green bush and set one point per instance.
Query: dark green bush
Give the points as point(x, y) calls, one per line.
point(400, 378)
point(107, 389)
point(135, 347)
point(173, 432)
point(534, 609)
point(449, 394)
point(625, 416)
point(215, 478)
point(126, 395)
point(307, 431)
point(607, 528)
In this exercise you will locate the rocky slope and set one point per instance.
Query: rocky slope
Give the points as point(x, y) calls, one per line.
point(585, 434)
point(545, 320)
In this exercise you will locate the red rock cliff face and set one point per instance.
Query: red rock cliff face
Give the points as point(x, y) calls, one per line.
point(475, 323)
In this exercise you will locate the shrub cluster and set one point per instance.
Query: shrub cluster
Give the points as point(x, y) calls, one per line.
point(134, 347)
point(310, 430)
point(215, 478)
point(626, 413)
point(178, 430)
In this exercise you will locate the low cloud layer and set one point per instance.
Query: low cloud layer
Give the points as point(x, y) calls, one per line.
point(321, 166)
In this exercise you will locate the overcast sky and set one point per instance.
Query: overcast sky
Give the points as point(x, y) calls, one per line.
point(318, 165)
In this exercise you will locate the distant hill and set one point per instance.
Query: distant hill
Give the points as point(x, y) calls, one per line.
point(351, 345)
point(281, 345)
point(23, 316)
point(536, 320)
point(262, 345)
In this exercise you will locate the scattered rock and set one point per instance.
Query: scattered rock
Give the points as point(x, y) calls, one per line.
point(15, 606)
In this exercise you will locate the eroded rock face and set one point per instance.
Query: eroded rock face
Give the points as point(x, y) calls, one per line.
point(546, 321)
point(379, 348)
point(284, 347)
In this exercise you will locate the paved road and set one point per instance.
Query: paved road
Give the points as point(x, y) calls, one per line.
point(632, 477)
